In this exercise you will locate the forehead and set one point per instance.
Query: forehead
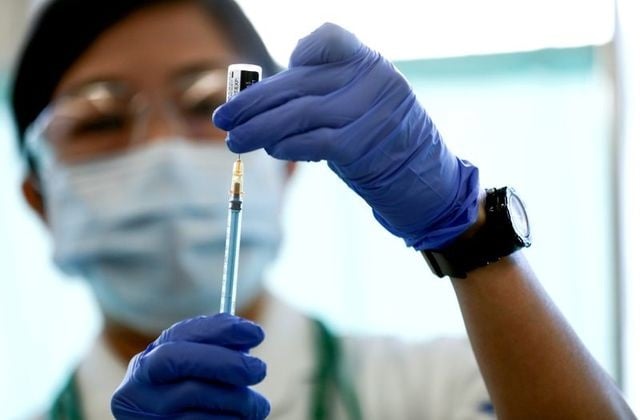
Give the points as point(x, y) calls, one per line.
point(150, 46)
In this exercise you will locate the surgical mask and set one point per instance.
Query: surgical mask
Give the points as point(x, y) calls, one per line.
point(147, 228)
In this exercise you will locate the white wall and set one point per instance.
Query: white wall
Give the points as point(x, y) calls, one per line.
point(628, 44)
point(410, 29)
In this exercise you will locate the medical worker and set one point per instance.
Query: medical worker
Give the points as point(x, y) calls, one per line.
point(113, 103)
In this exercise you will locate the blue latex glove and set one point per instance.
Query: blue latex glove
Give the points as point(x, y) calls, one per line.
point(341, 102)
point(197, 369)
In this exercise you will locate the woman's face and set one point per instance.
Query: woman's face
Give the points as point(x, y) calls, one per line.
point(152, 51)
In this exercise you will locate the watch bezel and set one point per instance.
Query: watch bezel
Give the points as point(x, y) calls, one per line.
point(511, 199)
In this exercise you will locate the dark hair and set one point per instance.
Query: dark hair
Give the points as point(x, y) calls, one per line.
point(64, 29)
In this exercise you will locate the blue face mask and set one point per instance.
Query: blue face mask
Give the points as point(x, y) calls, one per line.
point(147, 229)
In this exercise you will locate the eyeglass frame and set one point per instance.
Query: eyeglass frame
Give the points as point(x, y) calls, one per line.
point(137, 98)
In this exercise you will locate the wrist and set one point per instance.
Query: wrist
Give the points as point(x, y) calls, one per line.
point(480, 219)
point(501, 228)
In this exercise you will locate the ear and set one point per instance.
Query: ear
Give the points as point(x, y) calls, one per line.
point(32, 195)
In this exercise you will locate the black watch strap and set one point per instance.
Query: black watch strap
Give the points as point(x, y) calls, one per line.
point(495, 239)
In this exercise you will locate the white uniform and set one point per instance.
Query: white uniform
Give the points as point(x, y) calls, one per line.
point(392, 379)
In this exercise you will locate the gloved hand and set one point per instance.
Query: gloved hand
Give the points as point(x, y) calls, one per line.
point(197, 369)
point(342, 102)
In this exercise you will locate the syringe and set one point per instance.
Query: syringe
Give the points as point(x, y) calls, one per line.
point(232, 246)
point(239, 77)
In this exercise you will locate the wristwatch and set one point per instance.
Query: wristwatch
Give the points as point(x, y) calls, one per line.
point(505, 230)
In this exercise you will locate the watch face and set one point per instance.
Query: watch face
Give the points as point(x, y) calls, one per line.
point(519, 217)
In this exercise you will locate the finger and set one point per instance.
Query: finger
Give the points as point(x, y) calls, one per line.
point(177, 361)
point(373, 91)
point(324, 61)
point(297, 116)
point(313, 146)
point(121, 413)
point(198, 415)
point(206, 416)
point(331, 142)
point(221, 329)
point(240, 401)
point(328, 44)
point(285, 86)
point(176, 400)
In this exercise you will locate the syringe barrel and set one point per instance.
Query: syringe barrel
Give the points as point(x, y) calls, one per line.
point(231, 254)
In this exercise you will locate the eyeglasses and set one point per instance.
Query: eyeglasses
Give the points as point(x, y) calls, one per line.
point(108, 117)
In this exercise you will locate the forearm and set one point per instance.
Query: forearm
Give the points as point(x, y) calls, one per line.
point(532, 362)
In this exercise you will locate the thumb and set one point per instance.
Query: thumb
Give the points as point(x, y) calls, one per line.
point(327, 44)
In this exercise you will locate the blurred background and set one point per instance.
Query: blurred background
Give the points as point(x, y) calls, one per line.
point(542, 95)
